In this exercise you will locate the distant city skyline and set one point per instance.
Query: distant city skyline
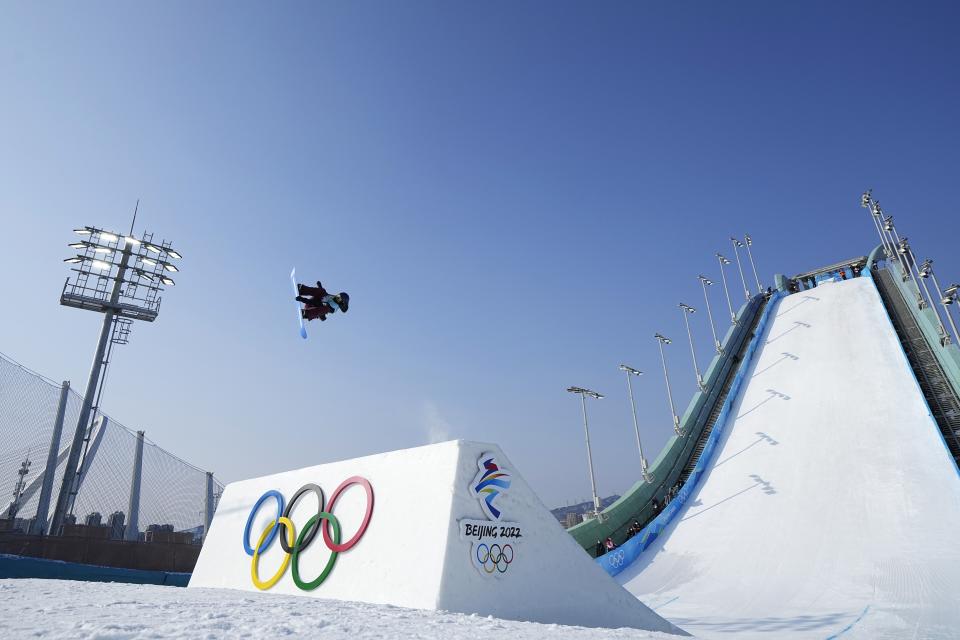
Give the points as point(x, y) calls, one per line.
point(516, 197)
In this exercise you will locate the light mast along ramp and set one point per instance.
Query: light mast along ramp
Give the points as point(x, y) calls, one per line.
point(831, 507)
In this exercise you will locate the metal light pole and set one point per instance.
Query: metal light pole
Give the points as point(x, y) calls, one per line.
point(133, 295)
point(888, 230)
point(736, 254)
point(726, 291)
point(949, 297)
point(704, 281)
point(687, 310)
point(583, 393)
point(662, 340)
point(907, 263)
point(630, 371)
point(922, 284)
point(926, 271)
point(866, 201)
point(749, 242)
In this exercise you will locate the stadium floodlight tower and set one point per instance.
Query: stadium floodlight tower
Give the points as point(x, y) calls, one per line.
point(630, 371)
point(583, 393)
point(122, 277)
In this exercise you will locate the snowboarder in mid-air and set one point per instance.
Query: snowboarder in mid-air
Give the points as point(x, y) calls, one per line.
point(319, 303)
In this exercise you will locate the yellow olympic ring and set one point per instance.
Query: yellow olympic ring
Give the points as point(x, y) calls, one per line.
point(284, 523)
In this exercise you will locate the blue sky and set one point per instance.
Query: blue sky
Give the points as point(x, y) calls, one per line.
point(516, 195)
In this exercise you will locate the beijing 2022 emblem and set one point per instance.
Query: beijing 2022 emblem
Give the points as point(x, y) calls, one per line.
point(493, 542)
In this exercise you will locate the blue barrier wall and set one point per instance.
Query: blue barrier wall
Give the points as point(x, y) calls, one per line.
point(24, 567)
point(622, 557)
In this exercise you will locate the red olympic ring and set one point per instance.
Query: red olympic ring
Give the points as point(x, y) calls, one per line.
point(338, 548)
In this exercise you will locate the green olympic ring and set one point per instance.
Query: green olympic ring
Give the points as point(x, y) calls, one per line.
point(314, 520)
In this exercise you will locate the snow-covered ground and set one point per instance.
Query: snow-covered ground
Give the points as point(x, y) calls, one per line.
point(832, 506)
point(66, 609)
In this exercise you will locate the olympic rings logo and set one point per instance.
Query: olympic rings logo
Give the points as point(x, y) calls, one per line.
point(294, 545)
point(616, 559)
point(494, 557)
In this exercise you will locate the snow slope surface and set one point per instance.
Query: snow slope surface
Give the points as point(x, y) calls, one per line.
point(832, 506)
point(86, 610)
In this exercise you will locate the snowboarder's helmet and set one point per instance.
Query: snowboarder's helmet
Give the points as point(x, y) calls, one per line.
point(344, 301)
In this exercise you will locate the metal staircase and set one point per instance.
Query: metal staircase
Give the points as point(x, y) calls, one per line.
point(941, 398)
point(721, 398)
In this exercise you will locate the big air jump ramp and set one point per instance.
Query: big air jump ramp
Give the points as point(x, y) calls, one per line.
point(451, 526)
point(831, 507)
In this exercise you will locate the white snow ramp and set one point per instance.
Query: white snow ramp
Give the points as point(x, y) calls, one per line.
point(451, 526)
point(832, 508)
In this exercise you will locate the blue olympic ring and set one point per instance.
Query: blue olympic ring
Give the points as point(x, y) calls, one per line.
point(273, 531)
point(482, 544)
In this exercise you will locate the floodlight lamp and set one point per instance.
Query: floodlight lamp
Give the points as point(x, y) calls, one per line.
point(100, 264)
point(705, 280)
point(866, 198)
point(131, 240)
point(148, 261)
point(154, 248)
point(686, 307)
point(630, 369)
point(174, 254)
point(108, 237)
point(74, 260)
point(952, 290)
point(167, 281)
point(78, 245)
point(735, 242)
point(748, 239)
point(85, 231)
point(946, 300)
point(169, 267)
point(103, 250)
point(662, 339)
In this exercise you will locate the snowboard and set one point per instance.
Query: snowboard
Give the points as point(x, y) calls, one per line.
point(300, 307)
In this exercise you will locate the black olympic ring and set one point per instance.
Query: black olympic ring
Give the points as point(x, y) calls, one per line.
point(289, 509)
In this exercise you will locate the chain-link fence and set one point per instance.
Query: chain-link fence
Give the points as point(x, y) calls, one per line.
point(173, 495)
